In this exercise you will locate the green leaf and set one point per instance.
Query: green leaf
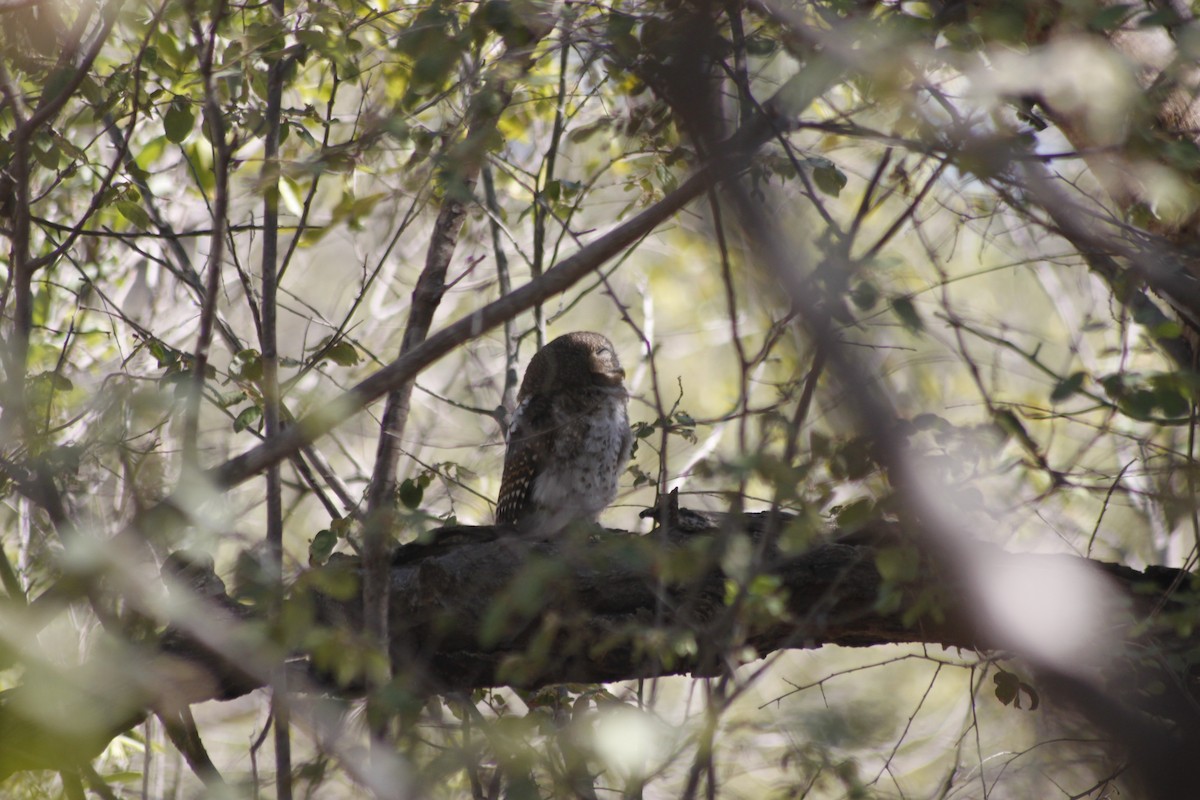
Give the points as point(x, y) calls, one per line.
point(642, 429)
point(1109, 17)
point(855, 514)
point(898, 564)
point(248, 418)
point(585, 132)
point(761, 45)
point(829, 179)
point(51, 381)
point(410, 493)
point(865, 295)
point(248, 365)
point(1171, 403)
point(46, 154)
point(136, 215)
point(1164, 18)
point(166, 355)
point(321, 547)
point(1011, 426)
point(1138, 404)
point(58, 81)
point(907, 312)
point(41, 305)
point(1167, 330)
point(178, 121)
point(1067, 387)
point(343, 354)
point(925, 422)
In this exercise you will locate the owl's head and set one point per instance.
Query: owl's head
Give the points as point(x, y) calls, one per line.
point(573, 361)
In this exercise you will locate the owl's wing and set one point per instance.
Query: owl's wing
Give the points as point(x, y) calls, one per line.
point(523, 460)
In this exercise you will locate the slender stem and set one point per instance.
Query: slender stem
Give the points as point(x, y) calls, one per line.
point(508, 395)
point(541, 209)
point(215, 119)
point(271, 399)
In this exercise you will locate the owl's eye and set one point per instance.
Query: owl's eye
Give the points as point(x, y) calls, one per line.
point(604, 351)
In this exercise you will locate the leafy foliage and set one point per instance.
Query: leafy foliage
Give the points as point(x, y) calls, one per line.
point(222, 220)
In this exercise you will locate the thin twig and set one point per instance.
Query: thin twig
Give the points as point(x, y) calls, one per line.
point(222, 149)
point(508, 394)
point(269, 182)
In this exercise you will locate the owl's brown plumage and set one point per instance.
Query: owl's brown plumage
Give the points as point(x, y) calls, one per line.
point(569, 439)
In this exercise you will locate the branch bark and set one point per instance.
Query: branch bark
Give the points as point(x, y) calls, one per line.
point(481, 607)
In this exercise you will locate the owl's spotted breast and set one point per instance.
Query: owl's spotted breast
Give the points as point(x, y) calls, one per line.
point(569, 440)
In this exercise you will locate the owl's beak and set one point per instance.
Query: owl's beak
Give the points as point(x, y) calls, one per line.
point(612, 377)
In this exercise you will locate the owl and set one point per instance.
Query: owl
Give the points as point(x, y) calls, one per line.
point(569, 439)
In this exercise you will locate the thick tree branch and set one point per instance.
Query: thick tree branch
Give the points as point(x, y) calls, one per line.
point(480, 607)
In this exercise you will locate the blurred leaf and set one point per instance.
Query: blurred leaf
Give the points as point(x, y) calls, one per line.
point(864, 295)
point(587, 131)
point(855, 514)
point(321, 547)
point(816, 77)
point(829, 179)
point(1138, 404)
point(761, 45)
point(247, 364)
point(1171, 403)
point(179, 120)
point(58, 81)
point(44, 386)
point(898, 564)
point(163, 353)
point(1109, 17)
point(907, 312)
point(1170, 329)
point(1011, 425)
point(249, 418)
point(924, 422)
point(1067, 387)
point(410, 493)
point(343, 354)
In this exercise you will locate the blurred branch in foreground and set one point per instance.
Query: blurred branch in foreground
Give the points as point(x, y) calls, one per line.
point(477, 607)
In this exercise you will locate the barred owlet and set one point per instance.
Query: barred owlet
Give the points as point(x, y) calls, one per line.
point(569, 439)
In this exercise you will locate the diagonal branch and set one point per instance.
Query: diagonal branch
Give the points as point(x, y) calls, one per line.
point(556, 280)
